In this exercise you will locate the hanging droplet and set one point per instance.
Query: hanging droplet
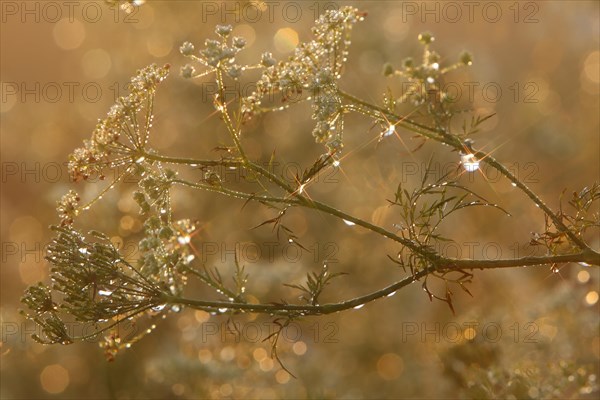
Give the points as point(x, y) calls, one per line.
point(159, 308)
point(349, 223)
point(514, 184)
point(469, 162)
point(223, 310)
point(391, 294)
point(389, 131)
point(140, 160)
point(358, 307)
point(104, 292)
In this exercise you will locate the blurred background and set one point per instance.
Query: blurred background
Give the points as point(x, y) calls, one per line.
point(527, 332)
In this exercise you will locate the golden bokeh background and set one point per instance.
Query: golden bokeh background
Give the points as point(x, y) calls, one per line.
point(62, 66)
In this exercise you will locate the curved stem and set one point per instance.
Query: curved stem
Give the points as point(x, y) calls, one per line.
point(589, 257)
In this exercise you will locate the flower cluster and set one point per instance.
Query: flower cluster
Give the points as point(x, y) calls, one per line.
point(95, 283)
point(67, 207)
point(315, 66)
point(425, 80)
point(118, 138)
point(165, 252)
point(216, 54)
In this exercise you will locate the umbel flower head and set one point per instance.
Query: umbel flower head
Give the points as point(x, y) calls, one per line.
point(94, 285)
point(118, 138)
point(315, 67)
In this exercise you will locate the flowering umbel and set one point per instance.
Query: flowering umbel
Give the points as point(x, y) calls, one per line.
point(119, 138)
point(315, 67)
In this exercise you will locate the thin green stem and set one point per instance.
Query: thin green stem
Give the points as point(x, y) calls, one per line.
point(443, 137)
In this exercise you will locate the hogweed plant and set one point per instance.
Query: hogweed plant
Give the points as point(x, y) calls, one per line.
point(93, 282)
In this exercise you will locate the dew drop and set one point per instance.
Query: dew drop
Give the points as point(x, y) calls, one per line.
point(584, 264)
point(336, 163)
point(349, 223)
point(513, 184)
point(223, 310)
point(391, 294)
point(358, 307)
point(469, 162)
point(140, 160)
point(104, 292)
point(159, 308)
point(390, 131)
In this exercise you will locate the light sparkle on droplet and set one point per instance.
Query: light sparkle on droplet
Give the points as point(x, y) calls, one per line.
point(390, 130)
point(104, 292)
point(358, 307)
point(349, 223)
point(469, 162)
